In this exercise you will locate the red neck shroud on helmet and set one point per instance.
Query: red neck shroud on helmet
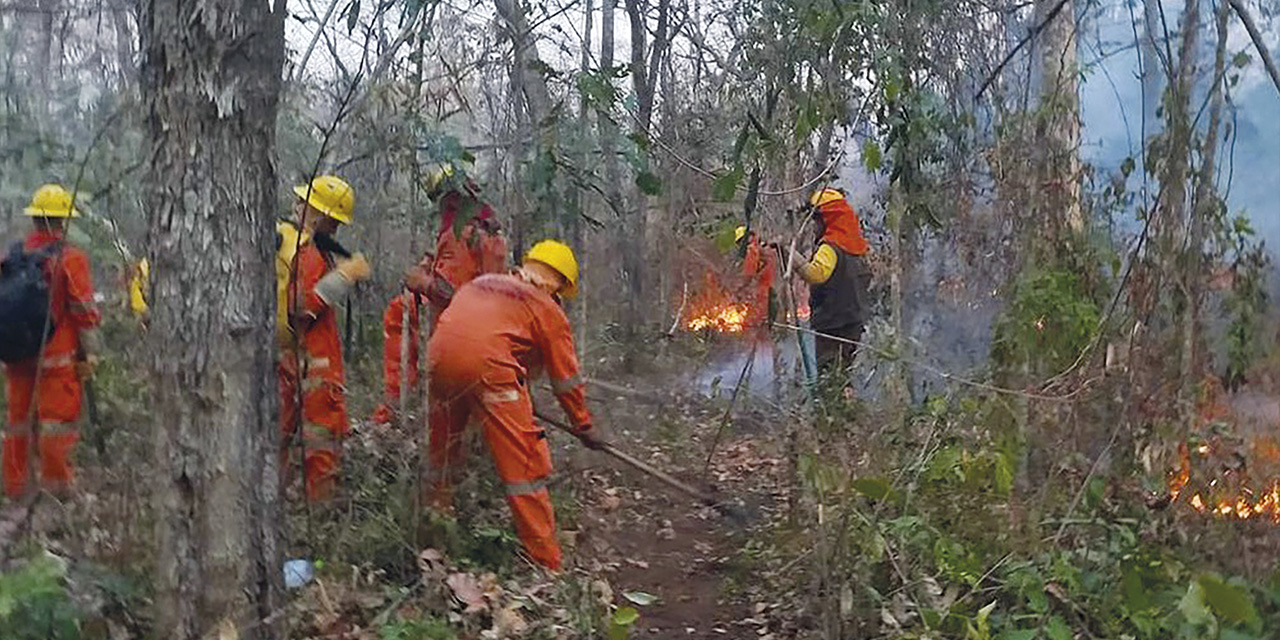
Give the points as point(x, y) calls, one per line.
point(841, 227)
point(452, 202)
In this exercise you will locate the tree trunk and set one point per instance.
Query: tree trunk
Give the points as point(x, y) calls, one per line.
point(530, 89)
point(1171, 234)
point(608, 129)
point(124, 48)
point(1202, 203)
point(211, 81)
point(532, 85)
point(645, 62)
point(1258, 43)
point(1178, 128)
point(583, 149)
point(898, 392)
point(642, 85)
point(1059, 127)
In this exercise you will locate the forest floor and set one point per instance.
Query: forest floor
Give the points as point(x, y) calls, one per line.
point(641, 560)
point(696, 560)
point(630, 541)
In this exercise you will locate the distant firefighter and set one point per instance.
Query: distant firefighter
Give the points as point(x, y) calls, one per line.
point(839, 281)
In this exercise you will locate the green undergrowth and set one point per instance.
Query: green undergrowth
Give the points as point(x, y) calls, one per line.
point(931, 539)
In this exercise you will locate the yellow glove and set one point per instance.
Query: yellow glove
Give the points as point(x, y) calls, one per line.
point(355, 268)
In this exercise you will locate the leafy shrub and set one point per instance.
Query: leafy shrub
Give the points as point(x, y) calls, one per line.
point(34, 603)
point(1050, 320)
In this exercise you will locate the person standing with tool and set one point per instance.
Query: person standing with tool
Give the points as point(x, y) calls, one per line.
point(470, 242)
point(317, 275)
point(759, 274)
point(839, 281)
point(498, 332)
point(48, 340)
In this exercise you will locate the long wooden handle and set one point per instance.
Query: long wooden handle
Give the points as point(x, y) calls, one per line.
point(638, 464)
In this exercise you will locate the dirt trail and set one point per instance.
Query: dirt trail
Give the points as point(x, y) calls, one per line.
point(648, 538)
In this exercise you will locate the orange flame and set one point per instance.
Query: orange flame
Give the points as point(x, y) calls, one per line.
point(725, 319)
point(715, 309)
point(1229, 497)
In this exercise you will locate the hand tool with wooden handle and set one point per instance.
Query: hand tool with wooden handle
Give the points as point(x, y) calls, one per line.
point(725, 509)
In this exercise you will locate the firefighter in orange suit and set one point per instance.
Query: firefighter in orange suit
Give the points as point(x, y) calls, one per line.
point(392, 331)
point(319, 277)
point(64, 362)
point(496, 335)
point(759, 273)
point(470, 242)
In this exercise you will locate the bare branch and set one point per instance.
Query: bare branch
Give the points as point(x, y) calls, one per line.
point(1256, 36)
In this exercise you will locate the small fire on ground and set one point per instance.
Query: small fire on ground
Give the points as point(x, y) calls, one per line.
point(1231, 494)
point(713, 308)
point(730, 318)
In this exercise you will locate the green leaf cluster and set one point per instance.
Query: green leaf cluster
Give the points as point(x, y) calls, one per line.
point(34, 603)
point(1048, 323)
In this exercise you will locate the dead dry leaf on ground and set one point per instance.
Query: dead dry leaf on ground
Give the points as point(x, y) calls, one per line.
point(508, 623)
point(468, 591)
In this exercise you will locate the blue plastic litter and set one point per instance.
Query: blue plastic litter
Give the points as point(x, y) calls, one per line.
point(298, 572)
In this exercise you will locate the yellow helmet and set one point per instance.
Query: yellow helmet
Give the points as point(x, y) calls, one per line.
point(329, 195)
point(738, 233)
point(823, 196)
point(437, 175)
point(558, 256)
point(51, 201)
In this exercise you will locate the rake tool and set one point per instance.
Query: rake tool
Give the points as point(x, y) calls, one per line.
point(729, 510)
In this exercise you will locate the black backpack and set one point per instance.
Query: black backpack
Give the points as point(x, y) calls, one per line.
point(25, 324)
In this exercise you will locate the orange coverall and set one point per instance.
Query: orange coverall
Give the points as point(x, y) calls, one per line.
point(316, 368)
point(759, 271)
point(392, 330)
point(460, 256)
point(57, 403)
point(498, 331)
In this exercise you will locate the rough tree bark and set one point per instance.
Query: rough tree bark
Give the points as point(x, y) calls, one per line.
point(1059, 126)
point(211, 82)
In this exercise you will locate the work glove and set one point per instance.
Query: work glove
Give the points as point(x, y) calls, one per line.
point(85, 368)
point(418, 279)
point(355, 269)
point(591, 439)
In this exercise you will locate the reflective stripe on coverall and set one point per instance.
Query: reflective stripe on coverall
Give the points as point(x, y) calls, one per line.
point(57, 403)
point(319, 371)
point(497, 331)
point(392, 330)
